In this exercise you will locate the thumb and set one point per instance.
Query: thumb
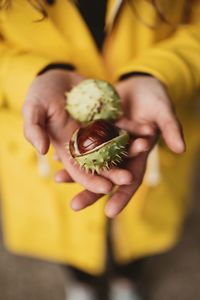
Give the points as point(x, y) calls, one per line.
point(172, 132)
point(34, 127)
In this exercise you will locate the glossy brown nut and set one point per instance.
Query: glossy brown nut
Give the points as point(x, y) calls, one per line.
point(95, 134)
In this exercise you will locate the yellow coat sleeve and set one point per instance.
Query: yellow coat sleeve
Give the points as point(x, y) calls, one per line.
point(174, 61)
point(18, 69)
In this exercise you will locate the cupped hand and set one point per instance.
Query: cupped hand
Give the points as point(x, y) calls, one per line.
point(149, 110)
point(148, 113)
point(46, 121)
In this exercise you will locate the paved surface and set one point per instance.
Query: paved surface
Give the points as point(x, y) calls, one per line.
point(171, 276)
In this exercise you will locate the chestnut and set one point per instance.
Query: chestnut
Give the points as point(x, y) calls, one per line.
point(93, 99)
point(99, 145)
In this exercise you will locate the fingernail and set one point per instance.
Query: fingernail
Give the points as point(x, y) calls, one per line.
point(104, 189)
point(57, 179)
point(110, 212)
point(76, 206)
point(180, 146)
point(147, 130)
point(39, 147)
point(126, 180)
point(141, 148)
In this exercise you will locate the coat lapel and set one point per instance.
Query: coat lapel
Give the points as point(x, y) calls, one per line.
point(66, 18)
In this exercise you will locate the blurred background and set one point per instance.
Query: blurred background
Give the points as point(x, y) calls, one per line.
point(171, 276)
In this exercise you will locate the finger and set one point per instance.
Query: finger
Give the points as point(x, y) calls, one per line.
point(135, 128)
point(172, 133)
point(62, 176)
point(120, 199)
point(124, 193)
point(57, 121)
point(37, 136)
point(139, 145)
point(56, 156)
point(118, 176)
point(84, 199)
point(34, 121)
point(92, 182)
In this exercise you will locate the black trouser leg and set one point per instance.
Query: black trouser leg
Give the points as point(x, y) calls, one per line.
point(98, 283)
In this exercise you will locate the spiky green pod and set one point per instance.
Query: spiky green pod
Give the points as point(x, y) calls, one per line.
point(92, 154)
point(92, 100)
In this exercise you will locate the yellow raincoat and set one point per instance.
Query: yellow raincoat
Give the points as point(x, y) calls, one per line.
point(37, 219)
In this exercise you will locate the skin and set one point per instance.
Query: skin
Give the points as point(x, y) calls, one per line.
point(148, 112)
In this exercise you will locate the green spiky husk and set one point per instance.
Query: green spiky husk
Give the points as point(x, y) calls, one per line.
point(105, 156)
point(92, 100)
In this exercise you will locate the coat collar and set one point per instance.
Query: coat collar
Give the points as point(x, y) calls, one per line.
point(113, 9)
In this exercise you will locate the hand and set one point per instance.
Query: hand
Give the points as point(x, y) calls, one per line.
point(46, 120)
point(147, 111)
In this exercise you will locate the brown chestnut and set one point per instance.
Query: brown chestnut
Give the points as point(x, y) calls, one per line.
point(93, 135)
point(99, 145)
